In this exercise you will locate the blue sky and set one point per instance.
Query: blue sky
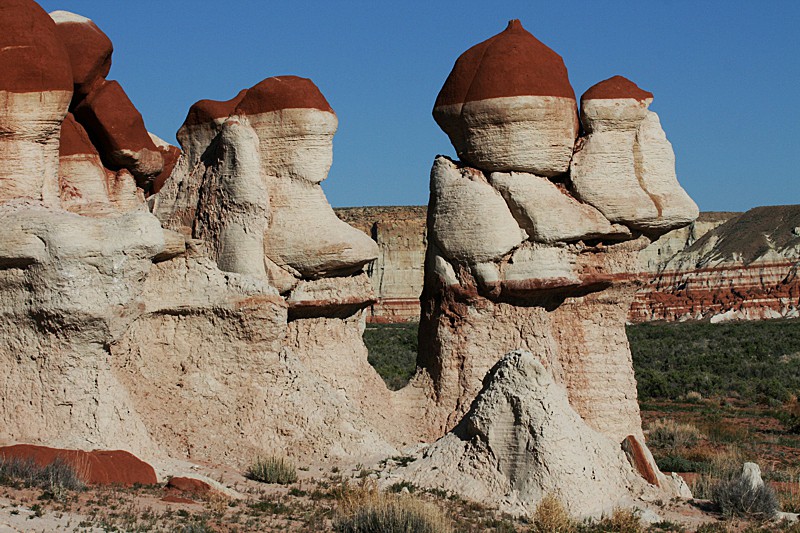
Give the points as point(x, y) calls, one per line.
point(725, 75)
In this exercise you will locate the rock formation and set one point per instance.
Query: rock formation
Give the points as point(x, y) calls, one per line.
point(523, 256)
point(119, 332)
point(744, 269)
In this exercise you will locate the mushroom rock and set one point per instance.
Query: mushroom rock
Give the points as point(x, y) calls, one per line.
point(117, 130)
point(603, 171)
point(527, 260)
point(508, 105)
point(82, 178)
point(88, 47)
point(35, 91)
point(295, 126)
point(171, 154)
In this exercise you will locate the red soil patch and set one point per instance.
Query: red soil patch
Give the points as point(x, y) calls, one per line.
point(282, 92)
point(33, 58)
point(615, 87)
point(89, 51)
point(189, 485)
point(512, 63)
point(102, 467)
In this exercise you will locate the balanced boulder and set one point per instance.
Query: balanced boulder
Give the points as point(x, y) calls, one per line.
point(508, 105)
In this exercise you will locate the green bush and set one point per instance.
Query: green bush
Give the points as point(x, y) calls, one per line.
point(272, 470)
point(393, 351)
point(756, 361)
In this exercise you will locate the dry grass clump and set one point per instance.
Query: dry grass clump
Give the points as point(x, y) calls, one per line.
point(724, 465)
point(669, 435)
point(367, 510)
point(55, 477)
point(272, 470)
point(552, 516)
point(621, 521)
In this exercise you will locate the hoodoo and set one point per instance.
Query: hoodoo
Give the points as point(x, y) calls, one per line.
point(35, 91)
point(508, 105)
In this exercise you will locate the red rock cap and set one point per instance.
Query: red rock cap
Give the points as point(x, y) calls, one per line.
point(88, 47)
point(74, 139)
point(171, 154)
point(32, 56)
point(512, 63)
point(205, 111)
point(282, 92)
point(112, 121)
point(616, 87)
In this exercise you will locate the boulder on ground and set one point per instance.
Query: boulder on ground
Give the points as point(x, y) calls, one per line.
point(97, 467)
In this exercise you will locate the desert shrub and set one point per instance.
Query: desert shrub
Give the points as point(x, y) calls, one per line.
point(272, 470)
point(393, 351)
point(370, 511)
point(789, 415)
point(677, 463)
point(55, 477)
point(736, 497)
point(754, 360)
point(620, 521)
point(552, 516)
point(667, 434)
point(726, 464)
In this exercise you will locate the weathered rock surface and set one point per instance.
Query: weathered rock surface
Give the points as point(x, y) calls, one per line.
point(743, 269)
point(471, 221)
point(508, 105)
point(520, 441)
point(624, 166)
point(35, 91)
point(518, 261)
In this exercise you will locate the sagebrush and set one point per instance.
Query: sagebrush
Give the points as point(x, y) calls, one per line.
point(272, 470)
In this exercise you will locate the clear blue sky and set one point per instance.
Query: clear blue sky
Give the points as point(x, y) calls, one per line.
point(725, 75)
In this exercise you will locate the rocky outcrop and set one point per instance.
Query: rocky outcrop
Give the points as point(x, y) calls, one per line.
point(744, 269)
point(523, 256)
point(521, 441)
point(35, 90)
point(119, 333)
point(101, 106)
